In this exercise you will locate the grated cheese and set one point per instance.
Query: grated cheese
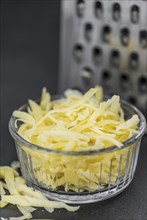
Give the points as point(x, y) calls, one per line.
point(76, 122)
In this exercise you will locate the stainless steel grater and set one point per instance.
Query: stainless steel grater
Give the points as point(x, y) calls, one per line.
point(105, 42)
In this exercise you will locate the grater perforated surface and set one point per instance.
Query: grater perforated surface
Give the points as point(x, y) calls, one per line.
point(105, 42)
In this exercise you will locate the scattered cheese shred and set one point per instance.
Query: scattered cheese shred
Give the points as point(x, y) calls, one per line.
point(74, 123)
point(26, 198)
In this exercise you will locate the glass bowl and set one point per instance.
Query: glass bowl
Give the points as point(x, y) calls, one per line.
point(84, 176)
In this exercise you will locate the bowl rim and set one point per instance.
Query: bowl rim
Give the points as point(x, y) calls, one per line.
point(128, 142)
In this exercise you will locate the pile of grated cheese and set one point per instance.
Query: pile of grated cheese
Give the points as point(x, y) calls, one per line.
point(24, 197)
point(76, 122)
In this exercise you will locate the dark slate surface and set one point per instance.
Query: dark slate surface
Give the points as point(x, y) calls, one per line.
point(29, 34)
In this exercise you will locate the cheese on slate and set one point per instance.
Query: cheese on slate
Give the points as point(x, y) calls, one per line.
point(76, 123)
point(23, 196)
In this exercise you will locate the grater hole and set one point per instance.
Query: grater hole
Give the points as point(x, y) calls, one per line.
point(142, 84)
point(124, 80)
point(80, 6)
point(88, 27)
point(143, 38)
point(86, 74)
point(124, 77)
point(116, 11)
point(132, 100)
point(88, 31)
point(78, 51)
point(115, 58)
point(98, 9)
point(135, 14)
point(106, 75)
point(134, 60)
point(125, 35)
point(106, 33)
point(97, 55)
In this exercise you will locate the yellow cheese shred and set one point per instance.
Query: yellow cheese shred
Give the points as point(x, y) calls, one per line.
point(26, 198)
point(76, 122)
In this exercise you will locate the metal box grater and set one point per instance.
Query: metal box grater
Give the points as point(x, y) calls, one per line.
point(105, 42)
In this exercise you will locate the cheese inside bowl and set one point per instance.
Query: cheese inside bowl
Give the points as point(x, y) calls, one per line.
point(78, 149)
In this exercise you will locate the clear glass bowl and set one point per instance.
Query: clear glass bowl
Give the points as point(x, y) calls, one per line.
point(80, 177)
